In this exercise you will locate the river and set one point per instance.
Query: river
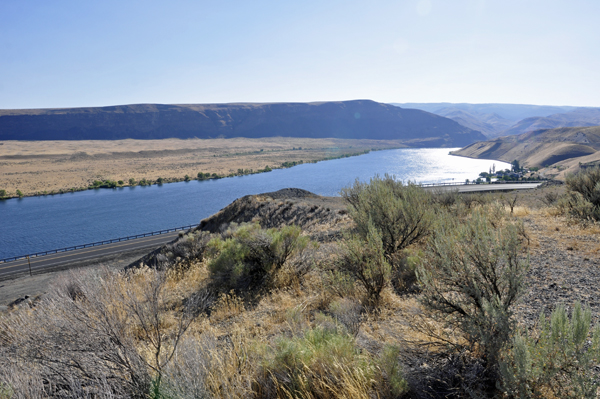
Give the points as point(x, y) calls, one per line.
point(34, 224)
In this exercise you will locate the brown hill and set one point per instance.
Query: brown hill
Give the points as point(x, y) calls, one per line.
point(541, 148)
point(342, 119)
point(576, 118)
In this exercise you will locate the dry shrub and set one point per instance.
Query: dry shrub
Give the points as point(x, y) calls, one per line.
point(182, 253)
point(349, 313)
point(79, 346)
point(97, 335)
point(549, 198)
point(296, 319)
point(448, 375)
point(446, 197)
point(208, 367)
point(226, 306)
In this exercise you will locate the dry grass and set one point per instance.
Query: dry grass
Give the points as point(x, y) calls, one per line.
point(51, 166)
point(235, 350)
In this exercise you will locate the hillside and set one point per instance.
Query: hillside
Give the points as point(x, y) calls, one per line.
point(95, 329)
point(578, 117)
point(344, 119)
point(490, 124)
point(541, 148)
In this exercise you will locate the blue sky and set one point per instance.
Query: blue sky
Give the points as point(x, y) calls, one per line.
point(95, 53)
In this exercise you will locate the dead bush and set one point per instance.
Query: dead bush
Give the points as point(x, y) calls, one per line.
point(75, 345)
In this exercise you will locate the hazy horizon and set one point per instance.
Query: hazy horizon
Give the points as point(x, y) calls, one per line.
point(317, 101)
point(85, 54)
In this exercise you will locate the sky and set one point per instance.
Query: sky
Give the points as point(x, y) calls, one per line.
point(56, 54)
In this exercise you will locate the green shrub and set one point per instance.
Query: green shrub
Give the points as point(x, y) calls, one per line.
point(574, 204)
point(364, 261)
point(471, 277)
point(252, 258)
point(327, 363)
point(401, 213)
point(389, 364)
point(314, 365)
point(3, 194)
point(583, 199)
point(103, 184)
point(557, 361)
point(6, 392)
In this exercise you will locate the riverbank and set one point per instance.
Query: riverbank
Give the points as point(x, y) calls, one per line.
point(30, 168)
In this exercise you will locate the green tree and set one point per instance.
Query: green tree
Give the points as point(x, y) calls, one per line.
point(515, 166)
point(3, 194)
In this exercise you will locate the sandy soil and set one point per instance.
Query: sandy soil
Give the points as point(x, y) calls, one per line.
point(38, 167)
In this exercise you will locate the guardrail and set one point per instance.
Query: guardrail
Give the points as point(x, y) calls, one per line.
point(93, 244)
point(472, 183)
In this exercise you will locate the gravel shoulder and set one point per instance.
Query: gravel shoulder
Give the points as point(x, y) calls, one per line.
point(564, 266)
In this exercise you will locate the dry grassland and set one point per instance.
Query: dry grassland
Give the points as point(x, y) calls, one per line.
point(230, 345)
point(38, 167)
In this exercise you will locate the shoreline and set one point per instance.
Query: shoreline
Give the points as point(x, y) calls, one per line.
point(58, 167)
point(244, 172)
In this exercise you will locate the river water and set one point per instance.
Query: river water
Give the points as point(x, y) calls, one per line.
point(35, 224)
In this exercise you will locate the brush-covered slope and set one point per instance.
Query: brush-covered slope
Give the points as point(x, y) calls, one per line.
point(358, 119)
point(539, 148)
point(321, 218)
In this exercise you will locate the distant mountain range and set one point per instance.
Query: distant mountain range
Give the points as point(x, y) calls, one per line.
point(494, 120)
point(359, 119)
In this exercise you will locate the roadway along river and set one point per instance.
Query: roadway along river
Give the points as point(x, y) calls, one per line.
point(75, 257)
point(37, 224)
